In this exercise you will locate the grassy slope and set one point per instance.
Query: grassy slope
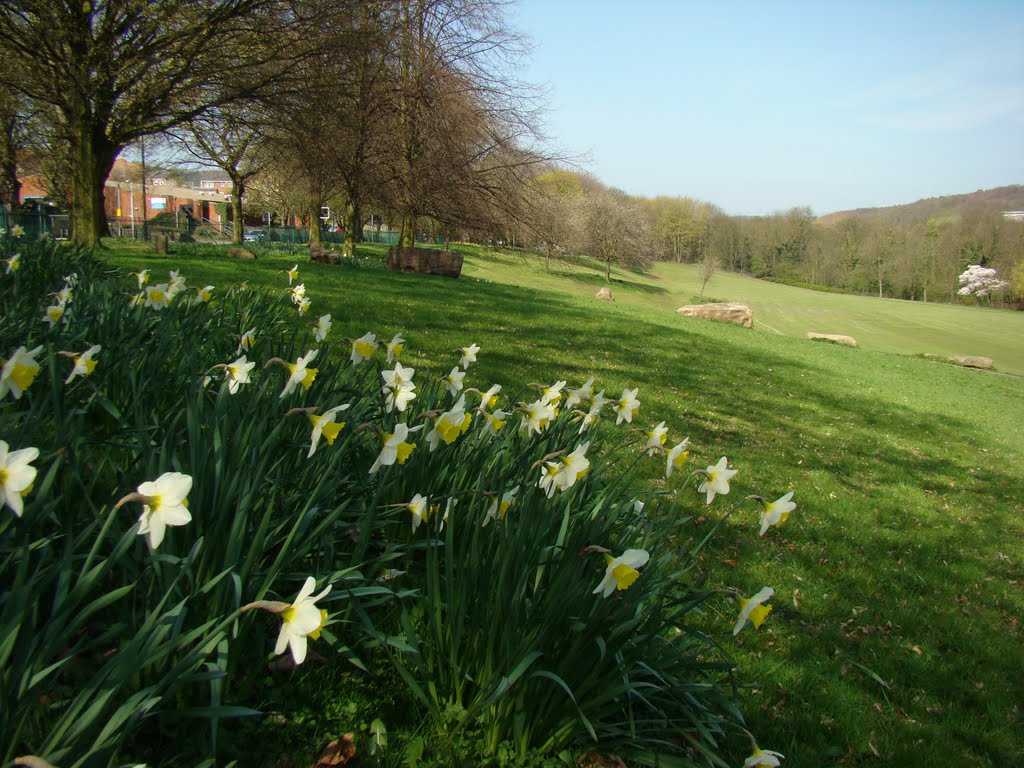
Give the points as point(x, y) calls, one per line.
point(896, 637)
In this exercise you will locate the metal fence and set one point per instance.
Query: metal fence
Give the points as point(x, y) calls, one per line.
point(56, 224)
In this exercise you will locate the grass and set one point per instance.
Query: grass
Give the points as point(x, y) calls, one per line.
point(896, 636)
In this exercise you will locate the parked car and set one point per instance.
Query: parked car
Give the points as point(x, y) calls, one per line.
point(254, 235)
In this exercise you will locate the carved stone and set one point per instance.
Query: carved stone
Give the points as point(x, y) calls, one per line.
point(426, 261)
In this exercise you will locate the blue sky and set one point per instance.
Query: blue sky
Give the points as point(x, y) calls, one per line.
point(762, 106)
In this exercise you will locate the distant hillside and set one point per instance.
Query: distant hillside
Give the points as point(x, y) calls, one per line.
point(1009, 198)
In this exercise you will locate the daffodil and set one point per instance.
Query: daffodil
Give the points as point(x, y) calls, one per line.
point(395, 448)
point(303, 305)
point(625, 406)
point(363, 347)
point(205, 293)
point(775, 512)
point(394, 347)
point(656, 438)
point(677, 457)
point(453, 381)
point(327, 425)
point(537, 415)
point(322, 328)
point(300, 620)
point(293, 273)
point(499, 507)
point(489, 398)
point(158, 296)
point(85, 363)
point(245, 344)
point(17, 230)
point(597, 402)
point(468, 356)
point(297, 292)
point(142, 276)
point(16, 475)
point(450, 424)
point(716, 479)
point(19, 371)
point(581, 395)
point(164, 504)
point(300, 373)
point(763, 757)
point(561, 475)
point(418, 508)
point(398, 388)
point(238, 373)
point(53, 314)
point(553, 393)
point(620, 572)
point(494, 421)
point(176, 283)
point(14, 263)
point(753, 610)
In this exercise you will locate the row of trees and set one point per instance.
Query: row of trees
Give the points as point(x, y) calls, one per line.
point(410, 104)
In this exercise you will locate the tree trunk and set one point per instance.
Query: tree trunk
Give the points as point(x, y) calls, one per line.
point(237, 190)
point(608, 270)
point(353, 224)
point(93, 157)
point(408, 238)
point(314, 224)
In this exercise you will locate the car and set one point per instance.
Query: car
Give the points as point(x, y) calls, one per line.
point(254, 235)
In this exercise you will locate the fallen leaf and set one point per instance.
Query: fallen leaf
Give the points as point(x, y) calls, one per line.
point(338, 752)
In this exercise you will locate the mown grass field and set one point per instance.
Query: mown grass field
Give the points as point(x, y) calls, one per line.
point(896, 636)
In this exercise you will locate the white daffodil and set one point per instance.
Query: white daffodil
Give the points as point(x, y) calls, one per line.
point(395, 448)
point(297, 293)
point(450, 424)
point(164, 504)
point(399, 389)
point(65, 294)
point(300, 373)
point(656, 438)
point(537, 415)
point(581, 395)
point(16, 476)
point(468, 356)
point(158, 296)
point(775, 512)
point(176, 284)
point(677, 457)
point(561, 475)
point(13, 263)
point(453, 381)
point(84, 363)
point(620, 572)
point(327, 425)
point(499, 507)
point(238, 373)
point(322, 328)
point(142, 276)
point(53, 314)
point(418, 508)
point(205, 293)
point(494, 421)
point(553, 393)
point(764, 757)
point(753, 610)
point(245, 344)
point(597, 402)
point(303, 305)
point(489, 399)
point(363, 347)
point(300, 620)
point(716, 479)
point(625, 406)
point(293, 273)
point(19, 371)
point(394, 347)
point(17, 230)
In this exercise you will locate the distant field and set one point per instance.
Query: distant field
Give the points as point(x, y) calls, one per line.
point(896, 637)
point(884, 325)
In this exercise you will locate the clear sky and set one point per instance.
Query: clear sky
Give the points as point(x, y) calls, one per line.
point(762, 106)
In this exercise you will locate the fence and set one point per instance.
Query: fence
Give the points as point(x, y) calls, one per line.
point(56, 224)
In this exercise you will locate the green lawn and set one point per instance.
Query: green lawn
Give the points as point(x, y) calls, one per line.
point(896, 636)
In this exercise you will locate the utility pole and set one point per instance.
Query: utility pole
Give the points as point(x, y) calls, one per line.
point(145, 226)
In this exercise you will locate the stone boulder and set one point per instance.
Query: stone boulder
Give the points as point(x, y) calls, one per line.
point(320, 255)
point(968, 361)
point(241, 253)
point(426, 261)
point(834, 338)
point(725, 312)
point(605, 293)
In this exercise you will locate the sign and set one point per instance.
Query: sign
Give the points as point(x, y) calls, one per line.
point(158, 203)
